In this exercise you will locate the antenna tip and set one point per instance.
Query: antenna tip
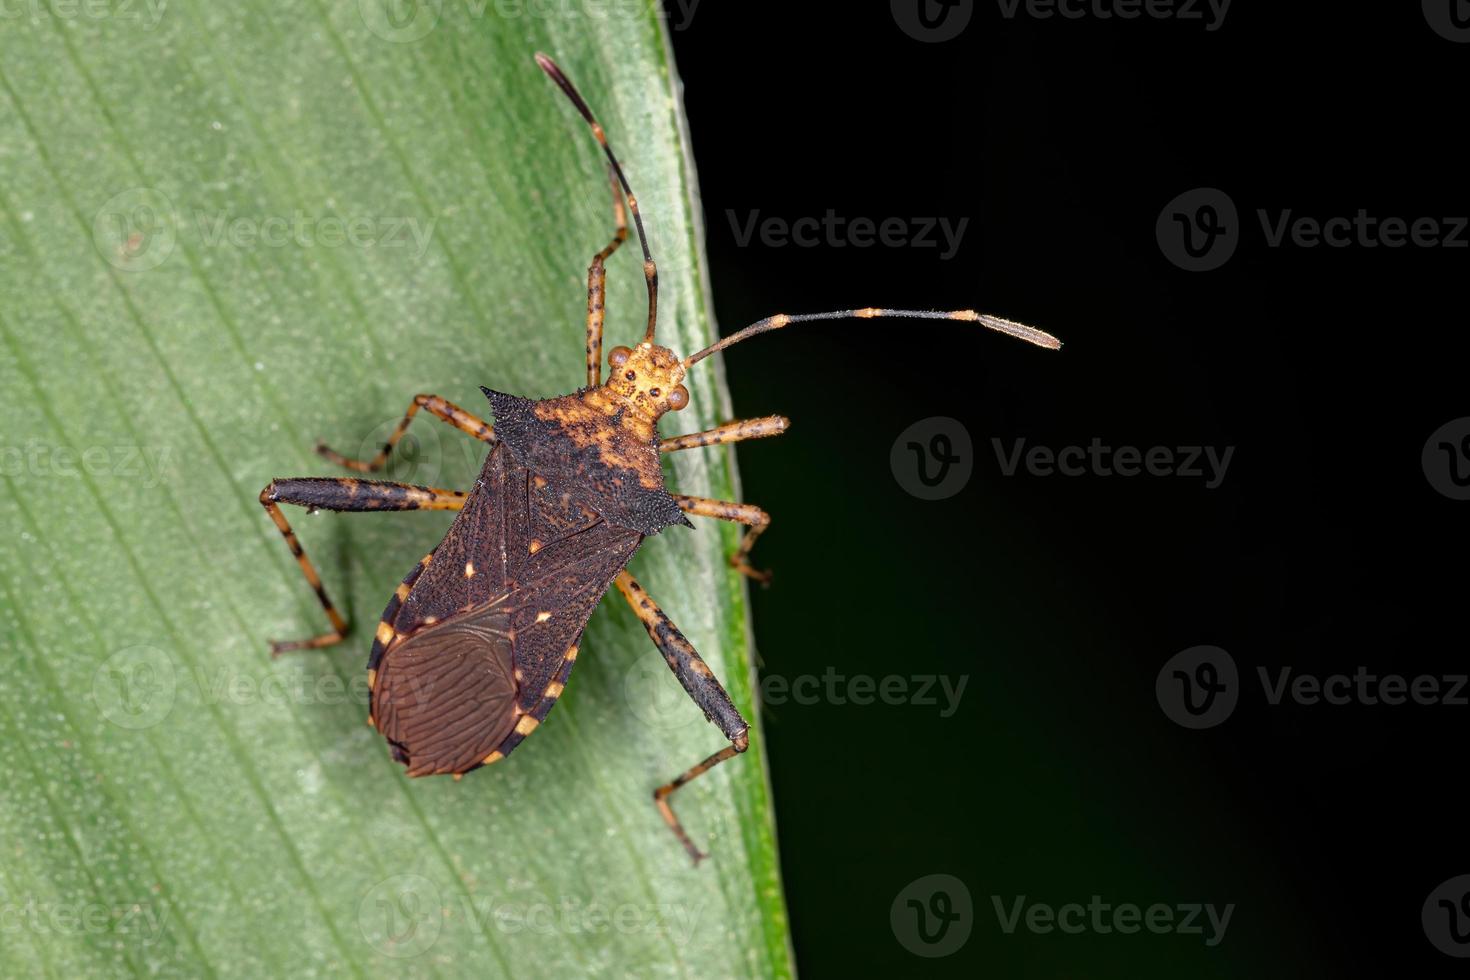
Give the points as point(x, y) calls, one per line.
point(1018, 330)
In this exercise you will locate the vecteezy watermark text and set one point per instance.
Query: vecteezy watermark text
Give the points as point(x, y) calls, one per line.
point(1209, 12)
point(832, 230)
point(218, 228)
point(832, 687)
point(145, 13)
point(1207, 463)
point(402, 916)
point(147, 464)
point(139, 228)
point(139, 922)
point(1104, 918)
point(406, 21)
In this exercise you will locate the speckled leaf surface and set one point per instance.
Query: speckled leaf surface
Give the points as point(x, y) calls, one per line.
point(226, 230)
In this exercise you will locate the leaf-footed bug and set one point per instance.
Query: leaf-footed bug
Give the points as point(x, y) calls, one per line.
point(478, 642)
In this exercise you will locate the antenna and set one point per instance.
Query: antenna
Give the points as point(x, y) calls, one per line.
point(650, 270)
point(1018, 330)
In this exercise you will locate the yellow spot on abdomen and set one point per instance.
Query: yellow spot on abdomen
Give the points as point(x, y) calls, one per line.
point(385, 634)
point(495, 756)
point(526, 725)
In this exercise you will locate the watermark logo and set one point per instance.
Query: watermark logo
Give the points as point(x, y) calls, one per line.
point(933, 916)
point(135, 229)
point(1199, 230)
point(1199, 687)
point(1446, 459)
point(1450, 19)
point(933, 458)
point(1446, 917)
point(655, 698)
point(401, 916)
point(135, 687)
point(932, 21)
point(417, 457)
point(400, 21)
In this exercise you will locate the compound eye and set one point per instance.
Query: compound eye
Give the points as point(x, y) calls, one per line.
point(618, 356)
point(678, 398)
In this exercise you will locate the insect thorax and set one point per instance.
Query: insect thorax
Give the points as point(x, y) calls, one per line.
point(594, 450)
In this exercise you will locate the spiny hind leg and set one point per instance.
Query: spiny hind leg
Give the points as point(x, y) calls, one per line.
point(440, 408)
point(702, 687)
point(597, 285)
point(341, 494)
point(726, 510)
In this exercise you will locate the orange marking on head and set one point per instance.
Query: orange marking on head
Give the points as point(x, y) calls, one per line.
point(646, 369)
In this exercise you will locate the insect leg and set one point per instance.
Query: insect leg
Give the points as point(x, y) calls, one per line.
point(318, 493)
point(438, 407)
point(700, 683)
point(771, 425)
point(748, 514)
point(597, 283)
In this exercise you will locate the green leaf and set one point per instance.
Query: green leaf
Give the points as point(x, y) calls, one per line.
point(232, 228)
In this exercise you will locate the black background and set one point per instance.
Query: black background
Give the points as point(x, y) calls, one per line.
point(1060, 598)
